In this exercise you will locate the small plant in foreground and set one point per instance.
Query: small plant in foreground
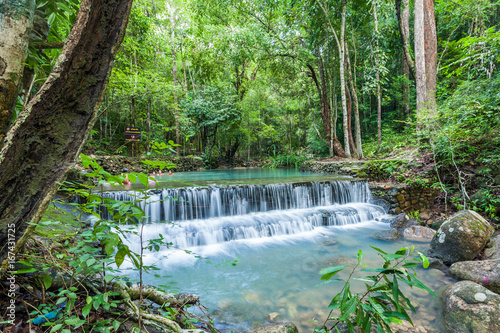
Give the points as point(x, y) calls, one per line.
point(383, 302)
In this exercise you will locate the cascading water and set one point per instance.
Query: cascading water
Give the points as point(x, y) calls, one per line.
point(218, 214)
point(280, 235)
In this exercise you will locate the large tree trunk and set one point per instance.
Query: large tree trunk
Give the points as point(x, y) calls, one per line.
point(406, 89)
point(403, 13)
point(377, 76)
point(352, 147)
point(425, 58)
point(420, 76)
point(333, 142)
point(48, 135)
point(174, 74)
point(342, 80)
point(430, 56)
point(326, 112)
point(16, 21)
point(352, 83)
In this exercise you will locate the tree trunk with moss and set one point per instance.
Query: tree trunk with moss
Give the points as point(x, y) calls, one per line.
point(16, 21)
point(48, 135)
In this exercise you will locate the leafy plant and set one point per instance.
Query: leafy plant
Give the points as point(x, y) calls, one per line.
point(383, 302)
point(283, 160)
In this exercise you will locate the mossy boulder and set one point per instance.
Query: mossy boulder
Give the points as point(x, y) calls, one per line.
point(461, 237)
point(470, 307)
point(485, 272)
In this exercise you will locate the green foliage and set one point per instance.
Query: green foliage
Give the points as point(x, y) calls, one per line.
point(82, 256)
point(470, 124)
point(487, 201)
point(394, 142)
point(382, 303)
point(283, 160)
point(381, 169)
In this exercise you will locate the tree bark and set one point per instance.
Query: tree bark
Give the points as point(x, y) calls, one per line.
point(342, 80)
point(420, 70)
point(16, 22)
point(174, 74)
point(49, 133)
point(352, 147)
point(406, 89)
point(333, 142)
point(357, 126)
point(403, 14)
point(377, 76)
point(430, 56)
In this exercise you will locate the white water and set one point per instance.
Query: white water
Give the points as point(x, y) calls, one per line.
point(282, 235)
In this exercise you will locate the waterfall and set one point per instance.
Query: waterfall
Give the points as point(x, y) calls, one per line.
point(219, 201)
point(211, 215)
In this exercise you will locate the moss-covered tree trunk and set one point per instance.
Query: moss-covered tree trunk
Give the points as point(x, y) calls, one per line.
point(16, 21)
point(48, 135)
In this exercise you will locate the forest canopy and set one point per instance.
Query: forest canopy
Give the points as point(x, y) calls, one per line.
point(226, 79)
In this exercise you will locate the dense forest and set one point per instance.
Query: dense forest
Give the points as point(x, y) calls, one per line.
point(226, 79)
point(411, 88)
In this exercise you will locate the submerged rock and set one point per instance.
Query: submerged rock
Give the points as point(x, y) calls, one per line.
point(275, 328)
point(419, 233)
point(469, 307)
point(486, 273)
point(391, 234)
point(403, 221)
point(461, 237)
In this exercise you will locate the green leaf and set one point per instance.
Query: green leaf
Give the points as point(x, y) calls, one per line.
point(86, 310)
point(56, 327)
point(425, 261)
point(348, 308)
point(144, 179)
point(360, 255)
point(108, 278)
point(328, 272)
point(47, 281)
point(116, 325)
point(61, 300)
point(335, 303)
point(25, 270)
point(378, 250)
point(395, 292)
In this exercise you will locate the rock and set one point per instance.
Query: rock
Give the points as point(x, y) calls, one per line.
point(469, 307)
point(419, 233)
point(437, 225)
point(492, 250)
point(424, 216)
point(486, 273)
point(275, 328)
point(331, 242)
point(252, 297)
point(461, 237)
point(391, 234)
point(273, 316)
point(402, 221)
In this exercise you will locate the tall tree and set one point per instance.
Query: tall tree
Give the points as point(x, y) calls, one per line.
point(16, 21)
point(425, 57)
point(377, 76)
point(49, 133)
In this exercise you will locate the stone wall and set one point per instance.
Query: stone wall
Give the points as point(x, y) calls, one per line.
point(404, 198)
point(343, 168)
point(397, 197)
